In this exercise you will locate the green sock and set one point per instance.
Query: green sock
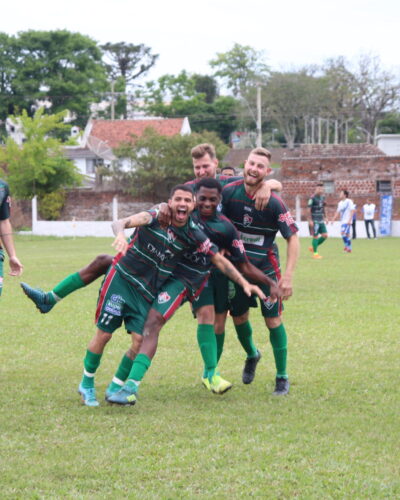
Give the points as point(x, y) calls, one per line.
point(245, 336)
point(315, 245)
point(320, 240)
point(65, 287)
point(220, 337)
point(90, 364)
point(122, 373)
point(139, 368)
point(278, 339)
point(208, 348)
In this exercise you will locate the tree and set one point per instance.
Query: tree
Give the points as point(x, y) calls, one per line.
point(377, 91)
point(125, 62)
point(38, 166)
point(7, 74)
point(64, 67)
point(289, 98)
point(160, 162)
point(178, 96)
point(241, 67)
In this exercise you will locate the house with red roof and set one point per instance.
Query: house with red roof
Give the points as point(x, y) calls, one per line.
point(101, 137)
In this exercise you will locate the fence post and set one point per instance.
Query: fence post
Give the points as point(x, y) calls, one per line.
point(115, 208)
point(34, 214)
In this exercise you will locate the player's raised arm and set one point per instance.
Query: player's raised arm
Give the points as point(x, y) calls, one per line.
point(233, 274)
point(141, 219)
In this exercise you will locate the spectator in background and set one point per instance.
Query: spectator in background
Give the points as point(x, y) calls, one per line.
point(369, 215)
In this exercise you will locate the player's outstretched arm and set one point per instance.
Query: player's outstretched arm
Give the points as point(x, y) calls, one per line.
point(254, 274)
point(233, 274)
point(120, 244)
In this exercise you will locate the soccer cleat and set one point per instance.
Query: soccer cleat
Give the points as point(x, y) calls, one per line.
point(88, 396)
point(249, 370)
point(218, 385)
point(110, 391)
point(125, 396)
point(38, 297)
point(317, 256)
point(281, 386)
point(206, 383)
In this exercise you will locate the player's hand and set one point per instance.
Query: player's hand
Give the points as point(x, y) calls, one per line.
point(262, 196)
point(164, 215)
point(120, 244)
point(16, 267)
point(250, 290)
point(275, 292)
point(285, 284)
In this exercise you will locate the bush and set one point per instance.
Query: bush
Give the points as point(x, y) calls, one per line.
point(51, 204)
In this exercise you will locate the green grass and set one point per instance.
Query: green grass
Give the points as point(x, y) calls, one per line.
point(335, 436)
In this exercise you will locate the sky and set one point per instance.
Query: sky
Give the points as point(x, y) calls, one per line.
point(187, 35)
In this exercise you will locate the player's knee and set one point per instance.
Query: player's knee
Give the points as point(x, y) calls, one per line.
point(238, 320)
point(102, 262)
point(273, 322)
point(154, 322)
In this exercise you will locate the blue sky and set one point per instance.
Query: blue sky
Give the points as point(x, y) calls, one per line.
point(187, 34)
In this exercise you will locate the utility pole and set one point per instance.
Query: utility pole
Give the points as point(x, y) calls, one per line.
point(259, 131)
point(112, 100)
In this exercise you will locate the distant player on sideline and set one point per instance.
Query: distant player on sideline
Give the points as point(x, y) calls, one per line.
point(368, 210)
point(6, 235)
point(317, 216)
point(345, 210)
point(257, 229)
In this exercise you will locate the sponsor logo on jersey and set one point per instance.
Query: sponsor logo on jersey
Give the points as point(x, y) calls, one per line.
point(238, 244)
point(247, 220)
point(205, 246)
point(286, 217)
point(196, 258)
point(252, 239)
point(163, 297)
point(158, 253)
point(268, 303)
point(114, 305)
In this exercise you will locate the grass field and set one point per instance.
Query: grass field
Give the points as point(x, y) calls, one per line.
point(335, 436)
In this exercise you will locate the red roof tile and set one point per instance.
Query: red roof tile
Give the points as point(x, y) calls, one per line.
point(113, 132)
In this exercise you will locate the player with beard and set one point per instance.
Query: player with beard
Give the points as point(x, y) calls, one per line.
point(257, 229)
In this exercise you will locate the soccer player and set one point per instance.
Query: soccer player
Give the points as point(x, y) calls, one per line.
point(205, 164)
point(317, 215)
point(257, 229)
point(228, 171)
point(368, 210)
point(345, 210)
point(6, 235)
point(191, 271)
point(139, 272)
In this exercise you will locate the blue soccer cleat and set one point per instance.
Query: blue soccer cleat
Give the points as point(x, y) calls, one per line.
point(88, 396)
point(110, 390)
point(38, 297)
point(125, 396)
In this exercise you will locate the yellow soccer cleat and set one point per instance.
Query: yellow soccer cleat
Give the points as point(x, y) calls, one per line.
point(206, 383)
point(219, 385)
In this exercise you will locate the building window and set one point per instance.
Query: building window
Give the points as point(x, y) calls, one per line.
point(90, 167)
point(383, 186)
point(329, 187)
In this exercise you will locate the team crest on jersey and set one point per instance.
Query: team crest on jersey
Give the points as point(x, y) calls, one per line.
point(238, 244)
point(163, 297)
point(205, 246)
point(268, 303)
point(286, 217)
point(171, 235)
point(247, 220)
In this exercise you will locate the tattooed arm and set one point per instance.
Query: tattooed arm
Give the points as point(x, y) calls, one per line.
point(120, 244)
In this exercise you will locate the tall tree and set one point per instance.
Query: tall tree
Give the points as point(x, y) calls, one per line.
point(64, 67)
point(240, 67)
point(8, 68)
point(377, 92)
